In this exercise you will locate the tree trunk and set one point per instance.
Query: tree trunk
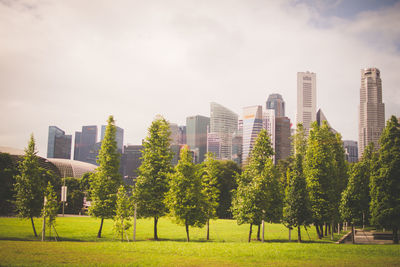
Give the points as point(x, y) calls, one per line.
point(263, 230)
point(329, 228)
point(332, 228)
point(187, 232)
point(321, 229)
point(326, 229)
point(44, 229)
point(395, 235)
point(352, 234)
point(298, 234)
point(101, 227)
point(290, 234)
point(318, 231)
point(155, 228)
point(251, 226)
point(122, 233)
point(258, 233)
point(33, 227)
point(208, 229)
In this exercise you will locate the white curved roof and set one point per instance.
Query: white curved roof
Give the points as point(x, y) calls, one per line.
point(12, 151)
point(72, 168)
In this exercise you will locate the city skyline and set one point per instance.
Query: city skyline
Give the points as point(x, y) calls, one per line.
point(71, 63)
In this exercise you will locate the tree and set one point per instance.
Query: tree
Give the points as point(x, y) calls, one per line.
point(228, 170)
point(186, 201)
point(209, 179)
point(51, 207)
point(123, 213)
point(29, 185)
point(8, 171)
point(152, 182)
point(105, 182)
point(258, 196)
point(74, 195)
point(385, 182)
point(354, 205)
point(296, 211)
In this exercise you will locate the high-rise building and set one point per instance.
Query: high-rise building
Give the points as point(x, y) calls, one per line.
point(320, 118)
point(269, 125)
point(130, 162)
point(214, 144)
point(119, 137)
point(306, 99)
point(351, 150)
point(223, 122)
point(196, 136)
point(58, 144)
point(275, 102)
point(252, 125)
point(282, 138)
point(237, 142)
point(182, 135)
point(87, 139)
point(372, 110)
point(174, 143)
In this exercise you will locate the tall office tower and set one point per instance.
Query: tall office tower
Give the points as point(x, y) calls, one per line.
point(282, 138)
point(182, 135)
point(320, 118)
point(269, 125)
point(275, 102)
point(306, 99)
point(87, 139)
point(351, 150)
point(372, 110)
point(58, 144)
point(214, 144)
point(237, 150)
point(196, 136)
point(174, 142)
point(252, 125)
point(77, 144)
point(131, 161)
point(224, 122)
point(119, 137)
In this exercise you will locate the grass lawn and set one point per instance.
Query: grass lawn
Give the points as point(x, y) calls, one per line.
point(228, 246)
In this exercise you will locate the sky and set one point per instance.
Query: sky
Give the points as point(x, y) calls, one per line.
point(74, 63)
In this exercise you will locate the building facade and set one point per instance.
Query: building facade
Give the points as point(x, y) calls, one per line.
point(282, 138)
point(351, 150)
point(306, 99)
point(196, 136)
point(372, 110)
point(119, 137)
point(252, 125)
point(223, 122)
point(214, 144)
point(130, 162)
point(275, 102)
point(58, 144)
point(84, 142)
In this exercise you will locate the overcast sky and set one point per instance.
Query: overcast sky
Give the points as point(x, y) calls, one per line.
point(73, 63)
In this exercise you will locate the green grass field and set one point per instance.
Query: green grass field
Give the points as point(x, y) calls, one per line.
point(228, 246)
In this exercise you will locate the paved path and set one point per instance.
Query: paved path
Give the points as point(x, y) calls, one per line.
point(370, 237)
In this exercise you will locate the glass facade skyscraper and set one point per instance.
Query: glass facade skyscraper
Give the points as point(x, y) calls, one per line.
point(196, 136)
point(252, 125)
point(87, 140)
point(275, 102)
point(58, 144)
point(224, 123)
point(306, 99)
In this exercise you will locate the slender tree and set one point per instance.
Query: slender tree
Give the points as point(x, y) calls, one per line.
point(226, 183)
point(8, 171)
point(259, 195)
point(296, 211)
point(152, 182)
point(385, 182)
point(354, 205)
point(105, 182)
point(29, 185)
point(210, 172)
point(51, 207)
point(186, 201)
point(123, 213)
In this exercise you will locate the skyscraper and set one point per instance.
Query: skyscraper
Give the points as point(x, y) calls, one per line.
point(269, 125)
point(351, 150)
point(196, 135)
point(182, 135)
point(87, 140)
point(252, 125)
point(58, 144)
point(275, 102)
point(282, 138)
point(214, 144)
point(372, 110)
point(131, 161)
point(223, 122)
point(306, 99)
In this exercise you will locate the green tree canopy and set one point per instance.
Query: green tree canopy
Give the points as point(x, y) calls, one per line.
point(51, 207)
point(385, 182)
point(105, 182)
point(8, 171)
point(152, 182)
point(123, 213)
point(186, 201)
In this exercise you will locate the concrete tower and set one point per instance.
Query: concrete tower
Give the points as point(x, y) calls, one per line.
point(306, 99)
point(372, 110)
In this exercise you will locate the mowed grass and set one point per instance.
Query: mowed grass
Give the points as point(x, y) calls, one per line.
point(228, 246)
